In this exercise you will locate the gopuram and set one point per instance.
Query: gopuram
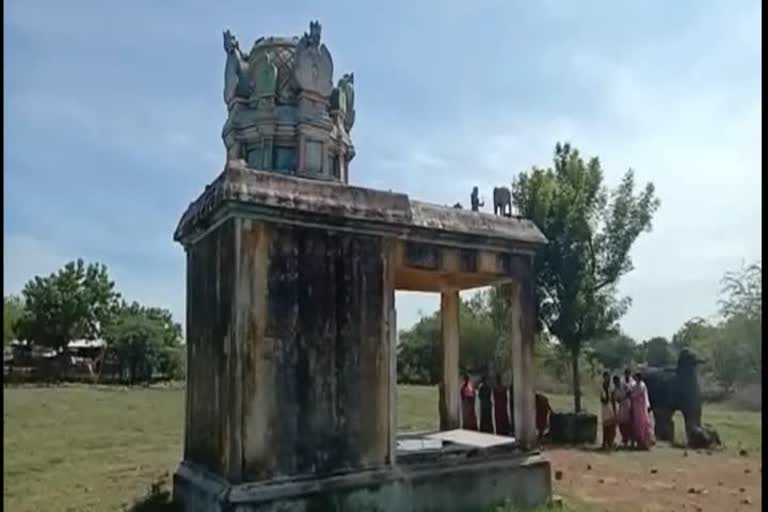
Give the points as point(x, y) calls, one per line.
point(291, 393)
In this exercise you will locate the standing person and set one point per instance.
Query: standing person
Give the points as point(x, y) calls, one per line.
point(617, 396)
point(640, 421)
point(608, 406)
point(500, 408)
point(468, 416)
point(624, 416)
point(511, 406)
point(486, 410)
point(651, 420)
point(543, 410)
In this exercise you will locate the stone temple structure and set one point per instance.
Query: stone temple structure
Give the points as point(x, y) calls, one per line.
point(291, 397)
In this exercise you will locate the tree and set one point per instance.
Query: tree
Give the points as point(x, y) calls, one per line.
point(657, 351)
point(614, 352)
point(145, 340)
point(742, 292)
point(478, 339)
point(692, 334)
point(13, 307)
point(590, 233)
point(419, 356)
point(736, 347)
point(73, 303)
point(728, 359)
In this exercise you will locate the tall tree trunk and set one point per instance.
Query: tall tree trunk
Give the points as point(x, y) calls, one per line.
point(576, 381)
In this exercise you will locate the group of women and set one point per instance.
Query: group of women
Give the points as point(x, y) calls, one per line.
point(625, 406)
point(497, 408)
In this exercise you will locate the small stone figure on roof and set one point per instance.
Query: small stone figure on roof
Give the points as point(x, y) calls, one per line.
point(502, 201)
point(458, 206)
point(475, 200)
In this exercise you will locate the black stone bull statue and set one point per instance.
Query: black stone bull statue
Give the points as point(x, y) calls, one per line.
point(677, 389)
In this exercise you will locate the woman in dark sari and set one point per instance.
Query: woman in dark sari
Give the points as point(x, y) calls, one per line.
point(511, 407)
point(486, 410)
point(500, 408)
point(468, 416)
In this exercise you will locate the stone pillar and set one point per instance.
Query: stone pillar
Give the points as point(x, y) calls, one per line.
point(522, 311)
point(390, 334)
point(450, 406)
point(300, 148)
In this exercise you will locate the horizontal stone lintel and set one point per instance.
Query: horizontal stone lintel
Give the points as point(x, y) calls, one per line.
point(271, 197)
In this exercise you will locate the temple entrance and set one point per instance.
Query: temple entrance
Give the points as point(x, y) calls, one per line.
point(440, 274)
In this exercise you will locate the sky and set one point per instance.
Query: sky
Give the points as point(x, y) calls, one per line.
point(113, 116)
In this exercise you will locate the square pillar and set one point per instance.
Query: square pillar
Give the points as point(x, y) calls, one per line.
point(289, 362)
point(450, 399)
point(390, 327)
point(521, 323)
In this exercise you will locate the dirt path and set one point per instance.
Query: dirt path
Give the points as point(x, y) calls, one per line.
point(665, 479)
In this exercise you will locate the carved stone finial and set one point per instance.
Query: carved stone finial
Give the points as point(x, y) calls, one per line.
point(312, 39)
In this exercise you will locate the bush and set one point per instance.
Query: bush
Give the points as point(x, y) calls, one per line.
point(748, 398)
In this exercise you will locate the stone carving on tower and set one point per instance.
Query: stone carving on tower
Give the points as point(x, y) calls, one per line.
point(343, 102)
point(235, 70)
point(284, 114)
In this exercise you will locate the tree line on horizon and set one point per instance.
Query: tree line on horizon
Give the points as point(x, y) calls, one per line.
point(80, 301)
point(730, 344)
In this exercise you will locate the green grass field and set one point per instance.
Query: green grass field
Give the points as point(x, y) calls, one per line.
point(81, 448)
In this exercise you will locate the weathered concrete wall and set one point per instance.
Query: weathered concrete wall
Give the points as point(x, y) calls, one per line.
point(288, 351)
point(211, 413)
point(316, 367)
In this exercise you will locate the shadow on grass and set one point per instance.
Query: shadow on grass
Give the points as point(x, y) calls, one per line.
point(158, 499)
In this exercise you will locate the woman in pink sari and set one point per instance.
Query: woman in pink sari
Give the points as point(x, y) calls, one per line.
point(640, 420)
point(624, 413)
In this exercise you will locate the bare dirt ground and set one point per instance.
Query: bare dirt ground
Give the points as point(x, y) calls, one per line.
point(664, 479)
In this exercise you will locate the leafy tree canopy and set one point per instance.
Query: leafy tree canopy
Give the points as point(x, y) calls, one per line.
point(145, 341)
point(13, 306)
point(590, 231)
point(658, 352)
point(614, 352)
point(73, 303)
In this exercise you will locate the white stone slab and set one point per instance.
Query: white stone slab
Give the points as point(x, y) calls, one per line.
point(414, 445)
point(472, 438)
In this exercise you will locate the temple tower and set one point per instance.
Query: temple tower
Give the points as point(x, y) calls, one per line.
point(284, 113)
